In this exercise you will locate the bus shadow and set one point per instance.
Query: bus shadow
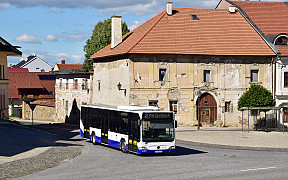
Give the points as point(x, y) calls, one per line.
point(179, 151)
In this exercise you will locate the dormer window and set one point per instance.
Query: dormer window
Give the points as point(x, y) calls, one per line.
point(281, 40)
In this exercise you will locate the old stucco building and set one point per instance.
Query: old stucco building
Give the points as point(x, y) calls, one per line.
point(195, 62)
point(72, 89)
point(270, 18)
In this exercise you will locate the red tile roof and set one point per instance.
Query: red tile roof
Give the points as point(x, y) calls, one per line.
point(269, 16)
point(218, 32)
point(69, 66)
point(18, 70)
point(50, 102)
point(28, 80)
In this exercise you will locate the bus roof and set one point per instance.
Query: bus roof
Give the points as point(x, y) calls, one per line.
point(124, 108)
point(139, 108)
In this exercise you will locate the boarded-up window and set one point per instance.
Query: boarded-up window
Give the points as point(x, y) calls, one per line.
point(60, 84)
point(75, 83)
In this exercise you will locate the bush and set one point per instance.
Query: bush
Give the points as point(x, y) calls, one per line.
point(256, 96)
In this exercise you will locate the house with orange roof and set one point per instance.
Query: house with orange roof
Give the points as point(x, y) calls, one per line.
point(270, 20)
point(27, 88)
point(195, 62)
point(6, 49)
point(64, 66)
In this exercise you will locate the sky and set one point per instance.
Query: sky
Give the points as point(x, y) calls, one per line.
point(57, 30)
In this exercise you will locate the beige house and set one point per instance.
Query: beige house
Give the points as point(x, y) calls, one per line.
point(195, 62)
point(6, 49)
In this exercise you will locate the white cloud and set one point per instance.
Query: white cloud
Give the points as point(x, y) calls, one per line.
point(56, 9)
point(4, 5)
point(211, 3)
point(76, 37)
point(72, 58)
point(123, 6)
point(135, 24)
point(138, 9)
point(51, 38)
point(27, 38)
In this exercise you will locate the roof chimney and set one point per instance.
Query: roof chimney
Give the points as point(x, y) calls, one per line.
point(232, 9)
point(116, 31)
point(169, 8)
point(62, 61)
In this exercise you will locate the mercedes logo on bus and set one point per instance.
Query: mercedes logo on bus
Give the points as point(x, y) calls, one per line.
point(158, 147)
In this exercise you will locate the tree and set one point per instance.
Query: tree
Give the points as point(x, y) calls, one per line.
point(101, 37)
point(256, 96)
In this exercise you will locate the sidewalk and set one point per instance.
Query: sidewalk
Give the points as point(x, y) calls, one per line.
point(19, 142)
point(233, 138)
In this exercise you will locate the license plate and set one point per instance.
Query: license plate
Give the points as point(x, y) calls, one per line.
point(158, 151)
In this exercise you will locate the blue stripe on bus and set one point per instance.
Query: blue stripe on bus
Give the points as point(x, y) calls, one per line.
point(81, 133)
point(115, 144)
point(154, 151)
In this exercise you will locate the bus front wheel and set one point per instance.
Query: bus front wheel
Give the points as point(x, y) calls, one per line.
point(123, 146)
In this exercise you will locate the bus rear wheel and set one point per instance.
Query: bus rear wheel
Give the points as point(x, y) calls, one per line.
point(123, 146)
point(93, 138)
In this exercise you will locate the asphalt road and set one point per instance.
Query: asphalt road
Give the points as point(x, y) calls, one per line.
point(189, 162)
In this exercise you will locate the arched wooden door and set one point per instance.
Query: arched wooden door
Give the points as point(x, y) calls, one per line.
point(207, 109)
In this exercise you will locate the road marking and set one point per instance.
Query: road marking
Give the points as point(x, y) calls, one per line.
point(256, 169)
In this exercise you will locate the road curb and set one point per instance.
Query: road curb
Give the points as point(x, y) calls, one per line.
point(178, 141)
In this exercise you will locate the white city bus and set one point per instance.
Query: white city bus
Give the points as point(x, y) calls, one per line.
point(137, 129)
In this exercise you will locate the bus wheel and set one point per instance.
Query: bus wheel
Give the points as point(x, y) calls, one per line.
point(93, 138)
point(123, 146)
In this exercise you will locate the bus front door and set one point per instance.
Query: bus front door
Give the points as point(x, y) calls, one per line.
point(104, 127)
point(134, 133)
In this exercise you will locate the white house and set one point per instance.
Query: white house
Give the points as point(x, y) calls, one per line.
point(34, 64)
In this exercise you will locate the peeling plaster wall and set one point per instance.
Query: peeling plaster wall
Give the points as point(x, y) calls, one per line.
point(230, 77)
point(107, 75)
point(64, 97)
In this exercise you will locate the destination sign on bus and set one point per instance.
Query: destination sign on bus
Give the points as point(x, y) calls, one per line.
point(157, 115)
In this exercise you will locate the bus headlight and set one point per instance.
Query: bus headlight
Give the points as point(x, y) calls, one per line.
point(172, 147)
point(143, 148)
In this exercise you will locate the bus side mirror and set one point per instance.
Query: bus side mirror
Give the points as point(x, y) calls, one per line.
point(175, 124)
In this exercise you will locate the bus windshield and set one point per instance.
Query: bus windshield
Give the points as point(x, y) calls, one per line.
point(158, 129)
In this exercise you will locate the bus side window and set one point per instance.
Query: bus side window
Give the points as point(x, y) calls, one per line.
point(125, 126)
